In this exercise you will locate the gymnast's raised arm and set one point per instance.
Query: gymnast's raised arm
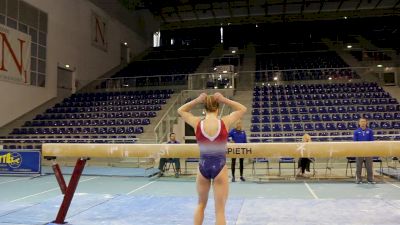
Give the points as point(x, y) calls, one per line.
point(239, 109)
point(187, 116)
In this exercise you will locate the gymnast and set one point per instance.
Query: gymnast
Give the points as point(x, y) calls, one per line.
point(212, 136)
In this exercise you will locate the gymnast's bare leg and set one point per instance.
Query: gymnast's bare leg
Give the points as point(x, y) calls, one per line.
point(221, 190)
point(203, 187)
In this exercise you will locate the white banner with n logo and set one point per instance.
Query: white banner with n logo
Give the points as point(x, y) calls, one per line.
point(99, 32)
point(15, 55)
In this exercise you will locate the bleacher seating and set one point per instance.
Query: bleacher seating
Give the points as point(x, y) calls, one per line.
point(163, 61)
point(94, 117)
point(323, 109)
point(301, 66)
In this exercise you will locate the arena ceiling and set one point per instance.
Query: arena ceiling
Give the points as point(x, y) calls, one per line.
point(194, 13)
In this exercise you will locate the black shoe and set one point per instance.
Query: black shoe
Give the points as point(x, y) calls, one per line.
point(242, 179)
point(233, 179)
point(160, 174)
point(371, 182)
point(176, 175)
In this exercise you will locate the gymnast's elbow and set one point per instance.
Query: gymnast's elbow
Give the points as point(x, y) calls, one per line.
point(180, 111)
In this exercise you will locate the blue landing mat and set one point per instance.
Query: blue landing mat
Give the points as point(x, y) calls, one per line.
point(107, 171)
point(95, 209)
point(320, 212)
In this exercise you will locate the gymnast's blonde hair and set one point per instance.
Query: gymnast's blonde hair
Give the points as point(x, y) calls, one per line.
point(306, 138)
point(210, 104)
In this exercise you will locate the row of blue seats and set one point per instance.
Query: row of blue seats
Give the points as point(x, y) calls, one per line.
point(109, 122)
point(316, 94)
point(361, 86)
point(104, 109)
point(60, 116)
point(324, 117)
point(282, 139)
point(112, 103)
point(115, 98)
point(323, 133)
point(122, 93)
point(277, 127)
point(302, 103)
point(79, 130)
point(26, 138)
point(330, 109)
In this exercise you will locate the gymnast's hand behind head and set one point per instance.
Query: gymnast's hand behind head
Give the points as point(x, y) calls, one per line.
point(201, 98)
point(218, 96)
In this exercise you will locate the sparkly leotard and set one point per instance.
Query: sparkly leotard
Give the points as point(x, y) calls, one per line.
point(212, 150)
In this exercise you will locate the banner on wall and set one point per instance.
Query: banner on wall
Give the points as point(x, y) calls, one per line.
point(20, 161)
point(99, 32)
point(15, 55)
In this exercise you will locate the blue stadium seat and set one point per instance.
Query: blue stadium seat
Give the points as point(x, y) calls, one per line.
point(265, 112)
point(286, 119)
point(296, 118)
point(308, 127)
point(319, 126)
point(313, 110)
point(341, 126)
point(305, 118)
point(266, 128)
point(330, 126)
point(266, 119)
point(276, 127)
point(336, 117)
point(315, 118)
point(255, 112)
point(276, 119)
point(287, 127)
point(293, 111)
point(255, 119)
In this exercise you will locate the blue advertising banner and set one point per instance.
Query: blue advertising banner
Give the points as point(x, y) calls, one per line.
point(20, 161)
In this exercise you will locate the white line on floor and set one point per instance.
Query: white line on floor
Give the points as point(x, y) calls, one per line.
point(311, 191)
point(50, 190)
point(393, 184)
point(137, 189)
point(5, 182)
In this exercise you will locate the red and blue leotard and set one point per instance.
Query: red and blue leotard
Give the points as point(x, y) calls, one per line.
point(212, 150)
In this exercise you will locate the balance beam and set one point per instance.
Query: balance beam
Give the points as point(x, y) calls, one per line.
point(246, 150)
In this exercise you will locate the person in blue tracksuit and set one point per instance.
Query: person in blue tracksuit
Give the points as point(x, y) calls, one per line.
point(363, 133)
point(237, 135)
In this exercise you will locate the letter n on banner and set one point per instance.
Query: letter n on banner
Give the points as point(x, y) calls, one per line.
point(15, 55)
point(99, 32)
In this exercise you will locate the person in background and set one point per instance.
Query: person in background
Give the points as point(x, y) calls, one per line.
point(237, 135)
point(176, 161)
point(304, 163)
point(363, 133)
